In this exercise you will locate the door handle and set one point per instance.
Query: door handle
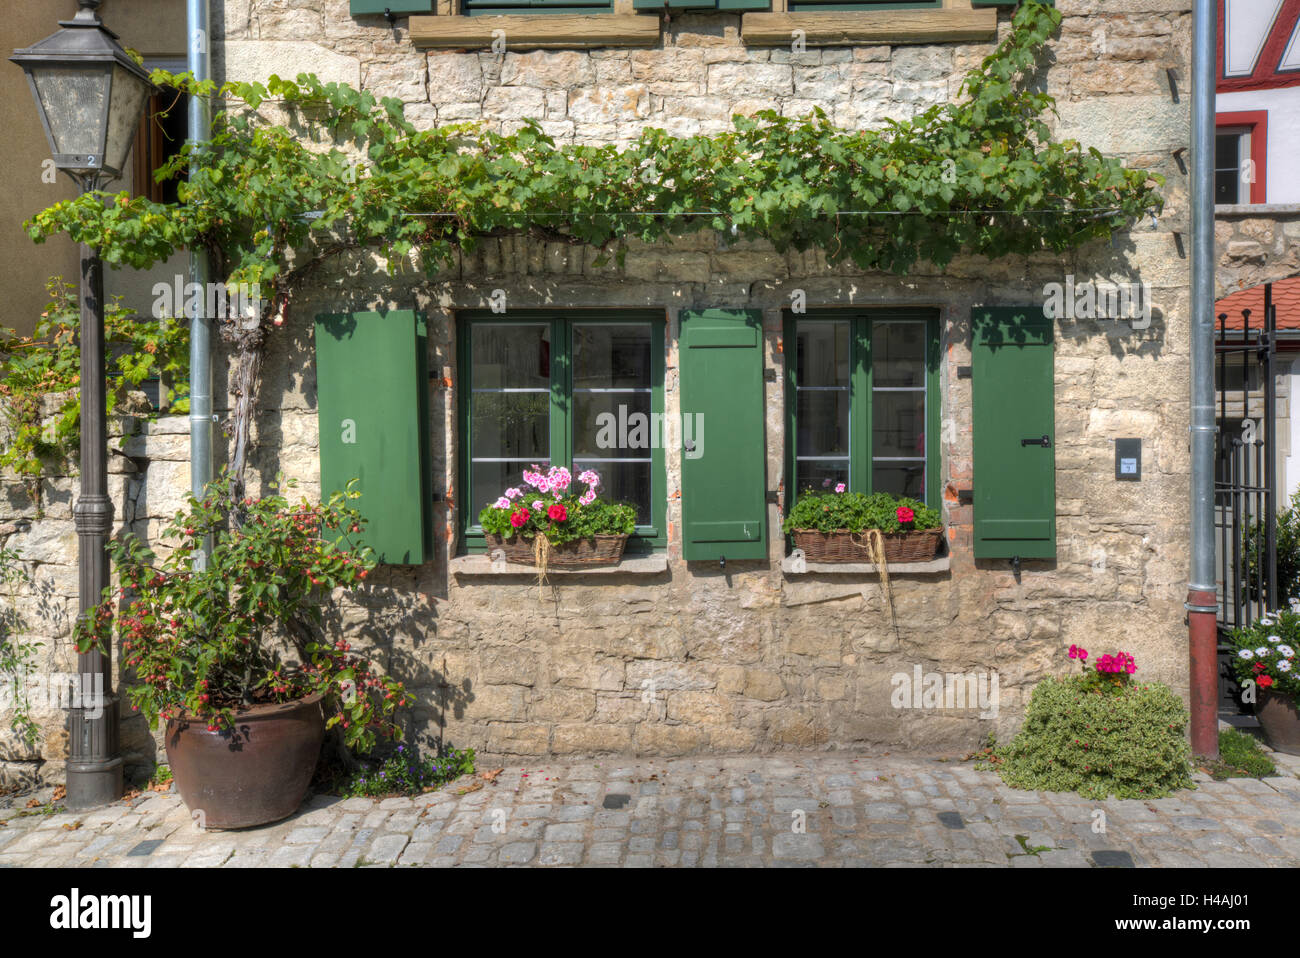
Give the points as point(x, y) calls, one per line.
point(1045, 442)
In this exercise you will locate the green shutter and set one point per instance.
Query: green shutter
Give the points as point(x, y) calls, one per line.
point(499, 7)
point(724, 481)
point(811, 6)
point(1007, 3)
point(396, 7)
point(1012, 385)
point(371, 382)
point(727, 5)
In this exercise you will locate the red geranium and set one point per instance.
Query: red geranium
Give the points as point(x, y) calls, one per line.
point(519, 517)
point(1265, 681)
point(558, 512)
point(905, 515)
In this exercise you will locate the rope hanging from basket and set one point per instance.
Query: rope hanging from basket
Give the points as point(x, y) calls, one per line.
point(875, 546)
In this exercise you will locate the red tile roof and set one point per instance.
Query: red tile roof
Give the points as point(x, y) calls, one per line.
point(1286, 297)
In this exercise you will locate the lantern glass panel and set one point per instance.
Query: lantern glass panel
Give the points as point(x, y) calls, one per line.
point(125, 109)
point(73, 101)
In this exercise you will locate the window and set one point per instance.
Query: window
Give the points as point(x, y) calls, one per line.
point(1241, 157)
point(811, 6)
point(1231, 154)
point(160, 137)
point(496, 7)
point(582, 389)
point(863, 402)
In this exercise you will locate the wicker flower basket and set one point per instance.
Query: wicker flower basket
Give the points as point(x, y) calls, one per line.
point(598, 550)
point(844, 546)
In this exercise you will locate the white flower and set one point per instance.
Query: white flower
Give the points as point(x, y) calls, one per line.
point(1246, 654)
point(1286, 650)
point(1284, 665)
point(1275, 639)
point(1262, 650)
point(1266, 619)
point(1294, 603)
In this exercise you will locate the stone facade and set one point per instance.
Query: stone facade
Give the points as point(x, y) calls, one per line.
point(751, 658)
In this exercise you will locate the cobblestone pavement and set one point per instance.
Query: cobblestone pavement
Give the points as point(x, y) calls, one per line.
point(858, 810)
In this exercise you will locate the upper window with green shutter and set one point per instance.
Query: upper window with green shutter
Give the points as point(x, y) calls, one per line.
point(581, 389)
point(812, 6)
point(499, 7)
point(862, 397)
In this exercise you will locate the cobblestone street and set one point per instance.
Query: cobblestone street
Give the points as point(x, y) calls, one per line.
point(732, 811)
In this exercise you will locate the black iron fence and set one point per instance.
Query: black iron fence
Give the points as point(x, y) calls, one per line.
point(1245, 486)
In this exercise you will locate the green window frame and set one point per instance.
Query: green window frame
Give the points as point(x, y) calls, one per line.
point(815, 6)
point(863, 396)
point(492, 8)
point(558, 328)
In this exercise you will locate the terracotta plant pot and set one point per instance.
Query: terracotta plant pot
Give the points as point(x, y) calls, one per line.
point(257, 774)
point(1280, 720)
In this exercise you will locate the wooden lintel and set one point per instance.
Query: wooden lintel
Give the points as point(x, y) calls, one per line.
point(536, 31)
point(850, 27)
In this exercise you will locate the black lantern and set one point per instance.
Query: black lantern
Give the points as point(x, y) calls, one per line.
point(90, 95)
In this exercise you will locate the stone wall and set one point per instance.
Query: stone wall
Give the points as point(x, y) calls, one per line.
point(752, 658)
point(148, 480)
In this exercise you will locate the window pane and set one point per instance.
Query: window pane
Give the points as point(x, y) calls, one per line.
point(614, 426)
point(898, 424)
point(622, 482)
point(611, 355)
point(822, 417)
point(900, 478)
point(897, 353)
point(1225, 186)
point(822, 353)
point(510, 425)
point(490, 479)
point(511, 355)
point(820, 475)
point(1227, 150)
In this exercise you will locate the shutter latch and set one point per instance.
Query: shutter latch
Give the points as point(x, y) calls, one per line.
point(1045, 442)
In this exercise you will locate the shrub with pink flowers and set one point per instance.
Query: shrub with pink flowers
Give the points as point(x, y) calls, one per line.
point(549, 504)
point(1100, 733)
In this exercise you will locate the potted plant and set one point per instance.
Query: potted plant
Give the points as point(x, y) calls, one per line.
point(230, 654)
point(844, 526)
point(1264, 659)
point(544, 520)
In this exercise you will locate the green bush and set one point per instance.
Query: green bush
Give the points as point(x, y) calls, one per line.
point(1127, 742)
point(857, 512)
point(1240, 757)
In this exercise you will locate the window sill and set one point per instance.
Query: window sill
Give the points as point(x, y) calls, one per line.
point(848, 27)
point(796, 564)
point(496, 565)
point(569, 31)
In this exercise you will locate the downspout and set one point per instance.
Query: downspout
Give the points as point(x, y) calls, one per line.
point(199, 63)
point(1202, 601)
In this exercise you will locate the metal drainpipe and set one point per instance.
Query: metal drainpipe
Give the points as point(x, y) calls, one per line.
point(199, 62)
point(1202, 601)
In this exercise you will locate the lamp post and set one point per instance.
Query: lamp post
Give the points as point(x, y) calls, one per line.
point(90, 95)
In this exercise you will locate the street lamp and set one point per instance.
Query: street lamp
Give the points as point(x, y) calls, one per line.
point(90, 95)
